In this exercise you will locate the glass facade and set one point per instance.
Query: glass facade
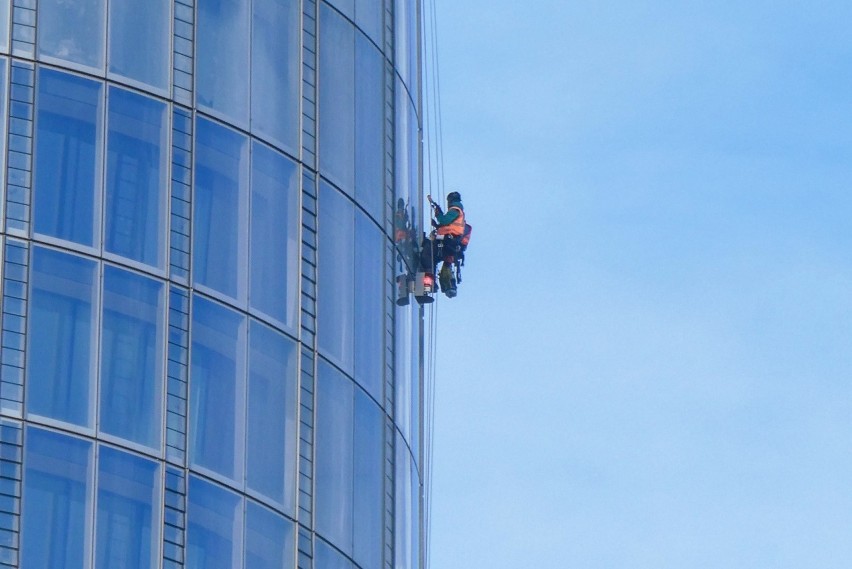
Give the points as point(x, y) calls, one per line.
point(202, 363)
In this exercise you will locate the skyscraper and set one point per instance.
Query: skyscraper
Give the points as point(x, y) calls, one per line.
point(202, 365)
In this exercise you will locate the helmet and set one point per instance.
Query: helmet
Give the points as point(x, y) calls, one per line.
point(454, 197)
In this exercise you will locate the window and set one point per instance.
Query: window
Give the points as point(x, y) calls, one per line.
point(4, 25)
point(271, 444)
point(369, 127)
point(270, 541)
point(275, 73)
point(68, 141)
point(370, 297)
point(131, 356)
point(337, 99)
point(139, 41)
point(274, 257)
point(221, 197)
point(222, 73)
point(407, 375)
point(407, 510)
point(62, 337)
point(56, 500)
point(369, 15)
point(72, 31)
point(329, 558)
point(349, 492)
point(336, 269)
point(214, 527)
point(137, 155)
point(127, 532)
point(217, 398)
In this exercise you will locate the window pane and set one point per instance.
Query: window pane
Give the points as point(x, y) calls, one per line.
point(274, 235)
point(276, 64)
point(334, 455)
point(139, 40)
point(217, 388)
point(132, 352)
point(369, 127)
point(73, 31)
point(404, 357)
point(137, 152)
point(223, 57)
point(405, 32)
point(271, 446)
point(407, 510)
point(336, 268)
point(328, 558)
point(369, 15)
point(221, 193)
point(66, 161)
point(369, 305)
point(270, 543)
point(127, 496)
point(337, 99)
point(368, 477)
point(57, 474)
point(214, 527)
point(4, 25)
point(347, 7)
point(62, 339)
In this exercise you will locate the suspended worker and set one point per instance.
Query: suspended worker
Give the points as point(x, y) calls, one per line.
point(447, 244)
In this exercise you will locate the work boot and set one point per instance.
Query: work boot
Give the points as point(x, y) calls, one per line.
point(445, 278)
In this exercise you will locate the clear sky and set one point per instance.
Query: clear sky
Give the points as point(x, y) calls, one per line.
point(649, 363)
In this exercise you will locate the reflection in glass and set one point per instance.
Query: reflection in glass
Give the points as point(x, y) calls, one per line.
point(66, 161)
point(217, 398)
point(221, 195)
point(337, 99)
point(214, 527)
point(137, 152)
point(57, 487)
point(369, 305)
point(274, 245)
point(139, 40)
point(127, 497)
point(222, 69)
point(276, 66)
point(271, 441)
point(73, 31)
point(407, 375)
point(336, 270)
point(131, 356)
point(61, 337)
point(369, 127)
point(270, 543)
point(407, 510)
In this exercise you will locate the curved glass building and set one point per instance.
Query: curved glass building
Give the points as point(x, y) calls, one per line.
point(202, 362)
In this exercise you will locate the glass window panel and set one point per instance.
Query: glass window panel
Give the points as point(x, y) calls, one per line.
point(369, 15)
point(407, 510)
point(274, 259)
point(334, 456)
point(271, 445)
point(404, 358)
point(369, 127)
point(222, 70)
point(137, 154)
point(405, 30)
point(328, 558)
point(62, 336)
point(4, 25)
point(56, 500)
point(346, 7)
point(276, 67)
point(221, 196)
point(73, 31)
point(217, 398)
point(214, 527)
point(127, 498)
point(139, 40)
point(369, 305)
point(270, 540)
point(68, 134)
point(337, 99)
point(131, 356)
point(368, 477)
point(336, 269)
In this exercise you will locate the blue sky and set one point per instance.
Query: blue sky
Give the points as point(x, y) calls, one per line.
point(649, 364)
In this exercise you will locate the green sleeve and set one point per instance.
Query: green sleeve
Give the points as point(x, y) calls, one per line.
point(447, 218)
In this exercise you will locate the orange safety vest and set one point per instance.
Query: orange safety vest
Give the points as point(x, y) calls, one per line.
point(455, 228)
